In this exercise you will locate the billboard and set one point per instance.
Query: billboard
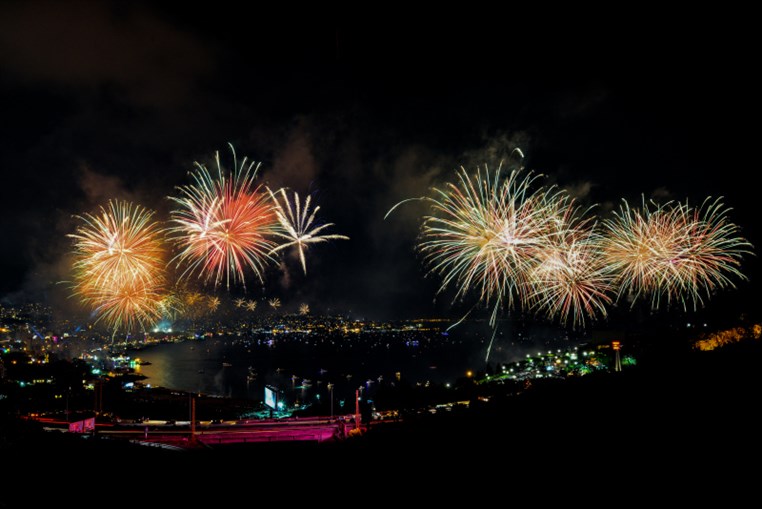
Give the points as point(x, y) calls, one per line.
point(271, 397)
point(84, 426)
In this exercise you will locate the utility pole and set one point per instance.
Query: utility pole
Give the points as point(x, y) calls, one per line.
point(193, 420)
point(357, 408)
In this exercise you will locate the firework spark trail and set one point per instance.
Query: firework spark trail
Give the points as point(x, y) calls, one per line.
point(491, 341)
point(674, 251)
point(119, 264)
point(223, 224)
point(296, 222)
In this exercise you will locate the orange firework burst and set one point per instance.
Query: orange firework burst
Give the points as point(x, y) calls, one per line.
point(129, 303)
point(119, 264)
point(223, 224)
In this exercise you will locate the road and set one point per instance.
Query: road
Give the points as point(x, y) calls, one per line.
point(316, 429)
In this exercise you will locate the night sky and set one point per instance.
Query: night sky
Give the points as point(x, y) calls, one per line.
point(118, 99)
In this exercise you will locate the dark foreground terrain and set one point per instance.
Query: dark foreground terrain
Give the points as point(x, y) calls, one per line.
point(685, 424)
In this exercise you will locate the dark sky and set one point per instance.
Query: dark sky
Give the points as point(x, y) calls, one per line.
point(118, 99)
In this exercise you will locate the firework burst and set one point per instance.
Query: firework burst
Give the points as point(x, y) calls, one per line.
point(486, 233)
point(119, 264)
point(274, 303)
point(297, 224)
point(130, 303)
point(571, 282)
point(193, 299)
point(674, 251)
point(213, 303)
point(171, 305)
point(223, 223)
point(304, 309)
point(193, 303)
